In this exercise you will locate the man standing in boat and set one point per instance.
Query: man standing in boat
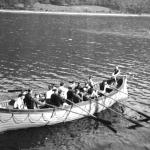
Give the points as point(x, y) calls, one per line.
point(116, 73)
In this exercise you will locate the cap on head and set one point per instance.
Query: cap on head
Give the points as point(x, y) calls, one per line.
point(90, 77)
point(69, 87)
point(20, 95)
point(61, 83)
point(105, 82)
point(29, 90)
point(54, 89)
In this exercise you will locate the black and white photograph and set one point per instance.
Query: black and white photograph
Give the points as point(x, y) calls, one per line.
point(74, 74)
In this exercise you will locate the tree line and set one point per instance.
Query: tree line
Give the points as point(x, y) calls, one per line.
point(125, 6)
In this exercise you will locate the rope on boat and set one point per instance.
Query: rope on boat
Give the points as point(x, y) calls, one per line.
point(90, 105)
point(103, 101)
point(53, 112)
point(4, 121)
point(31, 119)
point(18, 121)
point(47, 121)
point(68, 113)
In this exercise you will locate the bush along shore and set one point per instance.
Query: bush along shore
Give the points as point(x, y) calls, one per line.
point(104, 6)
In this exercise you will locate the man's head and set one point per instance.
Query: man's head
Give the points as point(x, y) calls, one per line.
point(117, 67)
point(61, 84)
point(29, 90)
point(49, 87)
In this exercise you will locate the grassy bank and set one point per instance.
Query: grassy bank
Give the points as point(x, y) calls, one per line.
point(104, 6)
point(85, 8)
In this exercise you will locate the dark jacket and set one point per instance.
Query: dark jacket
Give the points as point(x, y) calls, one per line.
point(56, 100)
point(70, 94)
point(29, 101)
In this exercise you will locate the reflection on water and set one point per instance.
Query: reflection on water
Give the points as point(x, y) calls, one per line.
point(38, 49)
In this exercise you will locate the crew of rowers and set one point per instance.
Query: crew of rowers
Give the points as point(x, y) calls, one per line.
point(62, 96)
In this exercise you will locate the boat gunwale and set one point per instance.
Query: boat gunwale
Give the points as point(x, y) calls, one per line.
point(67, 108)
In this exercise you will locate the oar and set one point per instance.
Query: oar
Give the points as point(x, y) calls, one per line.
point(139, 112)
point(104, 122)
point(17, 90)
point(130, 120)
point(62, 108)
point(143, 103)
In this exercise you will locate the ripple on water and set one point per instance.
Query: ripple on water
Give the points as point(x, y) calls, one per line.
point(56, 50)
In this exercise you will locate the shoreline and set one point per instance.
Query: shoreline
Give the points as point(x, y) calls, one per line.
point(72, 13)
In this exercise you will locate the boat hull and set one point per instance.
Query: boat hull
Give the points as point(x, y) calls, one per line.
point(12, 119)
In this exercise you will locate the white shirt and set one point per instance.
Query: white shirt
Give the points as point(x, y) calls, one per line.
point(64, 92)
point(49, 93)
point(73, 85)
point(91, 82)
point(94, 94)
point(19, 103)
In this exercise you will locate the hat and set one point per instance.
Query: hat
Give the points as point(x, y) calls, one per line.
point(72, 81)
point(29, 90)
point(61, 83)
point(105, 82)
point(54, 89)
point(69, 87)
point(24, 93)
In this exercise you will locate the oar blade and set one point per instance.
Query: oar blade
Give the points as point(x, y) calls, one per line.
point(144, 120)
point(135, 122)
point(105, 123)
point(143, 114)
point(112, 129)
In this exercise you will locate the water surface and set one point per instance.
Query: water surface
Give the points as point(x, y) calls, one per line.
point(38, 49)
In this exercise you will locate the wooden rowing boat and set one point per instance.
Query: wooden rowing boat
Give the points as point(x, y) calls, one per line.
point(13, 119)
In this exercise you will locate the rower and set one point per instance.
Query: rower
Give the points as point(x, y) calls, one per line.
point(103, 88)
point(64, 90)
point(56, 98)
point(29, 101)
point(72, 85)
point(78, 86)
point(19, 103)
point(49, 92)
point(90, 82)
point(70, 94)
point(86, 87)
point(92, 93)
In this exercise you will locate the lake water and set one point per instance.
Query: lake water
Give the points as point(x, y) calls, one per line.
point(38, 49)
